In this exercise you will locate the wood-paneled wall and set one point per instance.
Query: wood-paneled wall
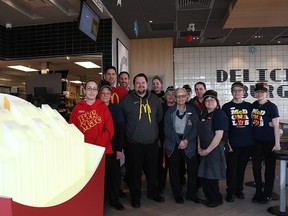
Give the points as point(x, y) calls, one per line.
point(152, 57)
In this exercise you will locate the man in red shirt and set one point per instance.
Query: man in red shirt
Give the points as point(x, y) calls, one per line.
point(118, 92)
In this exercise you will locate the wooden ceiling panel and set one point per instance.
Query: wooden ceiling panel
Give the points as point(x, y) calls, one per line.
point(257, 13)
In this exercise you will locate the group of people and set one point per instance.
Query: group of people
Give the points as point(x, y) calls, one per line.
point(194, 136)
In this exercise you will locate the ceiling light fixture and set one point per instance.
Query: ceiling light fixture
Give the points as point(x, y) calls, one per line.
point(22, 68)
point(76, 81)
point(87, 64)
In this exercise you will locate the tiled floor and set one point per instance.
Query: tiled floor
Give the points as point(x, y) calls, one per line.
point(170, 208)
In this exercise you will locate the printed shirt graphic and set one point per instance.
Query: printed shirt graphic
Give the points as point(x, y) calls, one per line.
point(240, 123)
point(257, 117)
point(117, 94)
point(262, 115)
point(88, 120)
point(239, 117)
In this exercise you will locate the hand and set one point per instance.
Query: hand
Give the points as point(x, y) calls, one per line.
point(182, 144)
point(276, 147)
point(118, 155)
point(203, 152)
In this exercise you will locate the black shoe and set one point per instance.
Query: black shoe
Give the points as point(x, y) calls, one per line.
point(157, 198)
point(213, 204)
point(240, 195)
point(265, 199)
point(194, 199)
point(230, 198)
point(135, 204)
point(256, 199)
point(122, 194)
point(179, 200)
point(118, 206)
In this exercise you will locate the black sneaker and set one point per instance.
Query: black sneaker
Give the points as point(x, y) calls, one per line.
point(240, 195)
point(230, 198)
point(256, 199)
point(265, 199)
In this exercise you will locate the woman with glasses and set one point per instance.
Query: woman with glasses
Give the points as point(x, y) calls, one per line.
point(213, 134)
point(92, 117)
point(240, 140)
point(180, 127)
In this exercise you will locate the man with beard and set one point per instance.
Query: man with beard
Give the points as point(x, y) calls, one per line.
point(142, 112)
point(124, 80)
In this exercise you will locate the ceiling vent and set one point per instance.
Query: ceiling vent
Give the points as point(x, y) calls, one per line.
point(162, 26)
point(194, 4)
point(283, 38)
point(213, 40)
point(193, 33)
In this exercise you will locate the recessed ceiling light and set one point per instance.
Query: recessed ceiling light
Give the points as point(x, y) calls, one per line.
point(238, 42)
point(76, 81)
point(6, 80)
point(22, 68)
point(87, 64)
point(150, 21)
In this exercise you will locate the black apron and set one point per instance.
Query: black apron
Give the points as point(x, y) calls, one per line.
point(213, 165)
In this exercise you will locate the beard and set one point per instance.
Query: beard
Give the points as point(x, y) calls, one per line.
point(141, 91)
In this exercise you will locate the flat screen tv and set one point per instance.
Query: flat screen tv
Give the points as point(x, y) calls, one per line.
point(89, 21)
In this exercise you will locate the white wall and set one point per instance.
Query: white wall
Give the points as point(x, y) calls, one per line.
point(117, 33)
point(268, 63)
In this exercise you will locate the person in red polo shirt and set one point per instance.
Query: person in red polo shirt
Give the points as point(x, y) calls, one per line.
point(118, 92)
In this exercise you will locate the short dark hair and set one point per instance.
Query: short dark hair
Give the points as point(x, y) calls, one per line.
point(140, 75)
point(110, 67)
point(200, 83)
point(124, 72)
point(158, 78)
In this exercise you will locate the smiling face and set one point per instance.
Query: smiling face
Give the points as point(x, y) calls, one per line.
point(156, 85)
point(199, 90)
point(105, 95)
point(170, 97)
point(210, 104)
point(237, 93)
point(140, 85)
point(124, 80)
point(261, 95)
point(181, 97)
point(110, 76)
point(91, 91)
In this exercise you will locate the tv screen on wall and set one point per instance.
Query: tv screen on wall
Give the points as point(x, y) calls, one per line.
point(89, 21)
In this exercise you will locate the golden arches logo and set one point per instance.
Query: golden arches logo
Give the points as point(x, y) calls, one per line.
point(146, 109)
point(115, 98)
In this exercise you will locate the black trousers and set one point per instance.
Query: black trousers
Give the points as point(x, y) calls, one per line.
point(236, 166)
point(174, 172)
point(210, 188)
point(142, 157)
point(263, 150)
point(112, 178)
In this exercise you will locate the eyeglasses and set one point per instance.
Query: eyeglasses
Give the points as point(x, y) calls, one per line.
point(237, 90)
point(91, 89)
point(180, 96)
